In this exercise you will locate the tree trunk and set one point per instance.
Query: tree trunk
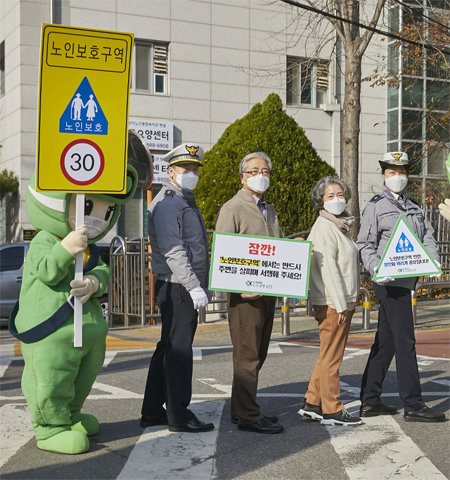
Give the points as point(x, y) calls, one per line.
point(350, 130)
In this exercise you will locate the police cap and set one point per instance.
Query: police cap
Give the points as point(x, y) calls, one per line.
point(187, 152)
point(394, 158)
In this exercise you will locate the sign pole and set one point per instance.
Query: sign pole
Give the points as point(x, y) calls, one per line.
point(78, 306)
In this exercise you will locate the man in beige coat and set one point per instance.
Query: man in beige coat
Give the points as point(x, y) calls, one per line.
point(250, 316)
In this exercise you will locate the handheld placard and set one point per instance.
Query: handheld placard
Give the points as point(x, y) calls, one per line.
point(405, 256)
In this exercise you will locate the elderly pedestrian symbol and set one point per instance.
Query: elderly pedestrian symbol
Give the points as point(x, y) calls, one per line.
point(404, 245)
point(83, 113)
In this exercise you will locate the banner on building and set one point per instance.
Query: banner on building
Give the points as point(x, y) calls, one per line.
point(264, 265)
point(405, 255)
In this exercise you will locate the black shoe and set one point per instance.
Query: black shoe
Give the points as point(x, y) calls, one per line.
point(367, 410)
point(425, 414)
point(193, 425)
point(340, 418)
point(152, 421)
point(235, 419)
point(314, 412)
point(262, 426)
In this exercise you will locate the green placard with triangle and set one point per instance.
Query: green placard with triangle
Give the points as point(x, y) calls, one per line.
point(405, 255)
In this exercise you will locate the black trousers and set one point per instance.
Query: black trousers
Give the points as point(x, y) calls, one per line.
point(395, 336)
point(169, 379)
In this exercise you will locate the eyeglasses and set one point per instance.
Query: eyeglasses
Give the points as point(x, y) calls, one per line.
point(264, 171)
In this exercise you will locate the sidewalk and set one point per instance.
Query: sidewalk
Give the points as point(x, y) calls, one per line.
point(302, 329)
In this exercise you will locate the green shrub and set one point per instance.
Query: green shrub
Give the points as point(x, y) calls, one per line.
point(8, 183)
point(296, 165)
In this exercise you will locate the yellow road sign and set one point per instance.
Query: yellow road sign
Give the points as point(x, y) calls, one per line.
point(84, 87)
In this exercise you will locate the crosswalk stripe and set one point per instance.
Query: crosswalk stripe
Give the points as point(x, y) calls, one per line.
point(161, 454)
point(14, 434)
point(380, 438)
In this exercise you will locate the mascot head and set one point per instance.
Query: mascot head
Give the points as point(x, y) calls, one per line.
point(55, 211)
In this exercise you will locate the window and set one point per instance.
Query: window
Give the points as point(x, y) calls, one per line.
point(150, 67)
point(11, 258)
point(306, 81)
point(418, 100)
point(2, 68)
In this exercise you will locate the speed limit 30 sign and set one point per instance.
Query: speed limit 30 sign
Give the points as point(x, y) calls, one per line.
point(82, 162)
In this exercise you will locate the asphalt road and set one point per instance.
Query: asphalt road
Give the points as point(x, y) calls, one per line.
point(381, 448)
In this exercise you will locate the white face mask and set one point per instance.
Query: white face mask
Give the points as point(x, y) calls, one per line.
point(335, 206)
point(259, 183)
point(396, 183)
point(187, 180)
point(94, 226)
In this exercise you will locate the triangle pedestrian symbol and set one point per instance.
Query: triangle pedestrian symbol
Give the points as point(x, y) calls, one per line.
point(405, 255)
point(404, 245)
point(83, 114)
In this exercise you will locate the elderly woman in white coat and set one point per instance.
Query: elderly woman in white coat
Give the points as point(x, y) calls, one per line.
point(334, 285)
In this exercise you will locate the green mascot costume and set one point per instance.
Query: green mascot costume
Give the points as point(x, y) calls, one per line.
point(58, 377)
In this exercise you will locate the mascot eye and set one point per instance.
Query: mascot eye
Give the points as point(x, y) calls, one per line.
point(110, 212)
point(88, 207)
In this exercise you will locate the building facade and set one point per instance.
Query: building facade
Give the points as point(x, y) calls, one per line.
point(198, 65)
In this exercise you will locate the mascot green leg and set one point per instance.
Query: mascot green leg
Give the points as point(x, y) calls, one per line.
point(69, 442)
point(56, 381)
point(85, 423)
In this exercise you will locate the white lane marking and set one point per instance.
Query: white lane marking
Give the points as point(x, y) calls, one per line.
point(15, 430)
point(6, 357)
point(5, 362)
point(382, 449)
point(212, 382)
point(442, 381)
point(197, 354)
point(109, 357)
point(113, 392)
point(161, 454)
point(362, 350)
point(349, 389)
point(274, 347)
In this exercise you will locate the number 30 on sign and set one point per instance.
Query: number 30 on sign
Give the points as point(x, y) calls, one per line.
point(82, 162)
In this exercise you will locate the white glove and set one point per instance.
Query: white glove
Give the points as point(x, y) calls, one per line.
point(76, 241)
point(384, 280)
point(84, 288)
point(199, 297)
point(444, 209)
point(436, 275)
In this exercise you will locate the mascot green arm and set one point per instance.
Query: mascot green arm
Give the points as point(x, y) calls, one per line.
point(48, 261)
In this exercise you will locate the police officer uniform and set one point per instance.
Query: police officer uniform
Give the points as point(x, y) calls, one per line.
point(180, 262)
point(395, 332)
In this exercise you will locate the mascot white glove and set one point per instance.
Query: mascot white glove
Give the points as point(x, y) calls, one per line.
point(444, 209)
point(199, 297)
point(84, 288)
point(76, 241)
